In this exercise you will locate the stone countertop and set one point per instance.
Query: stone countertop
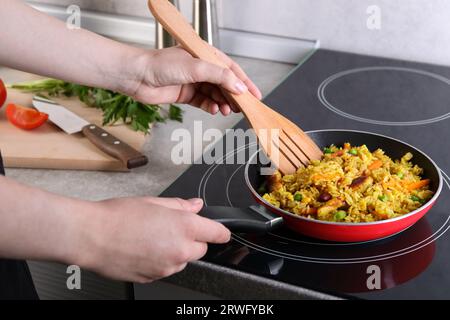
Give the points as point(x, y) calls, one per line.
point(151, 181)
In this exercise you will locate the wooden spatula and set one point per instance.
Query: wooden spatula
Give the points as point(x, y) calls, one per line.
point(287, 146)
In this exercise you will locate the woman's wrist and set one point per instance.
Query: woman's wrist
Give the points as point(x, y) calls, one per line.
point(85, 240)
point(70, 219)
point(129, 71)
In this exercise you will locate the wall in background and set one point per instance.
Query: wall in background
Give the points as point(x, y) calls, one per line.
point(410, 29)
point(137, 8)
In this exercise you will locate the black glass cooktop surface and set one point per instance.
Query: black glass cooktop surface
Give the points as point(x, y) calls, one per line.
point(334, 90)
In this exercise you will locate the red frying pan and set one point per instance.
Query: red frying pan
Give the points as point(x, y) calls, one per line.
point(265, 217)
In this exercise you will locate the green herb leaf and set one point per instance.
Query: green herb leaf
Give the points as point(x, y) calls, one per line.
point(175, 113)
point(115, 106)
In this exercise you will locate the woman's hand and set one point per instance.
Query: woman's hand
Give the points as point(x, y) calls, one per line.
point(173, 75)
point(131, 239)
point(144, 239)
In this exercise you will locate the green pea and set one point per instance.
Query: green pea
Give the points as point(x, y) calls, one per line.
point(400, 175)
point(327, 151)
point(416, 198)
point(353, 152)
point(298, 197)
point(340, 215)
point(383, 198)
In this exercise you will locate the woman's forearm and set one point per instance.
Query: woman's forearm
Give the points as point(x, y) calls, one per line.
point(131, 239)
point(34, 42)
point(38, 225)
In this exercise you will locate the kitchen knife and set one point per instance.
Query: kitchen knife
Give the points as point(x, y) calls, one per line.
point(71, 123)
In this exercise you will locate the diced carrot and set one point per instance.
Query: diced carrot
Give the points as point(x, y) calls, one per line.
point(319, 177)
point(347, 146)
point(316, 177)
point(375, 165)
point(418, 184)
point(338, 154)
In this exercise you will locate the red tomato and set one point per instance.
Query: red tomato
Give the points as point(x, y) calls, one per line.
point(25, 118)
point(2, 93)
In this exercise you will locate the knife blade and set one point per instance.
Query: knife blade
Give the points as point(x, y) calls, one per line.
point(71, 123)
point(60, 116)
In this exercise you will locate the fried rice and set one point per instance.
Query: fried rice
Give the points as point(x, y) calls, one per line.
point(351, 184)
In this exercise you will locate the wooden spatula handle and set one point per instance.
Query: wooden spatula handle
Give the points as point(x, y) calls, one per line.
point(293, 148)
point(176, 24)
point(114, 147)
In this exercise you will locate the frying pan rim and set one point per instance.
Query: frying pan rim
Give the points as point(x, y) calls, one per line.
point(351, 224)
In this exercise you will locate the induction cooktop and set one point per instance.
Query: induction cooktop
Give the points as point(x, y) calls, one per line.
point(336, 90)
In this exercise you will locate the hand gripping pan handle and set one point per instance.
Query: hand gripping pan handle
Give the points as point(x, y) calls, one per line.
point(254, 220)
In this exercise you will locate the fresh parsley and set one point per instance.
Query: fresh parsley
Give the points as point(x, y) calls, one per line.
point(115, 106)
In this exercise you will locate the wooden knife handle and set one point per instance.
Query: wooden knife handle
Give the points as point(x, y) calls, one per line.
point(177, 25)
point(114, 147)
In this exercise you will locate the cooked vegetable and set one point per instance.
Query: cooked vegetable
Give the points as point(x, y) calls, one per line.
point(353, 152)
point(324, 197)
point(383, 198)
point(329, 207)
point(2, 93)
point(415, 198)
point(418, 184)
point(400, 175)
point(375, 165)
point(336, 202)
point(337, 154)
point(327, 151)
point(298, 197)
point(115, 106)
point(358, 182)
point(340, 215)
point(25, 118)
point(309, 211)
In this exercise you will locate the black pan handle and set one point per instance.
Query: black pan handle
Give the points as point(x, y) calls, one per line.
point(255, 219)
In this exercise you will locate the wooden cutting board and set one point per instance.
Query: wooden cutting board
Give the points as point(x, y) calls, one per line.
point(48, 147)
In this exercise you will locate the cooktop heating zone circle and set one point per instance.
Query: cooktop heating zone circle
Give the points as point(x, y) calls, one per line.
point(397, 81)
